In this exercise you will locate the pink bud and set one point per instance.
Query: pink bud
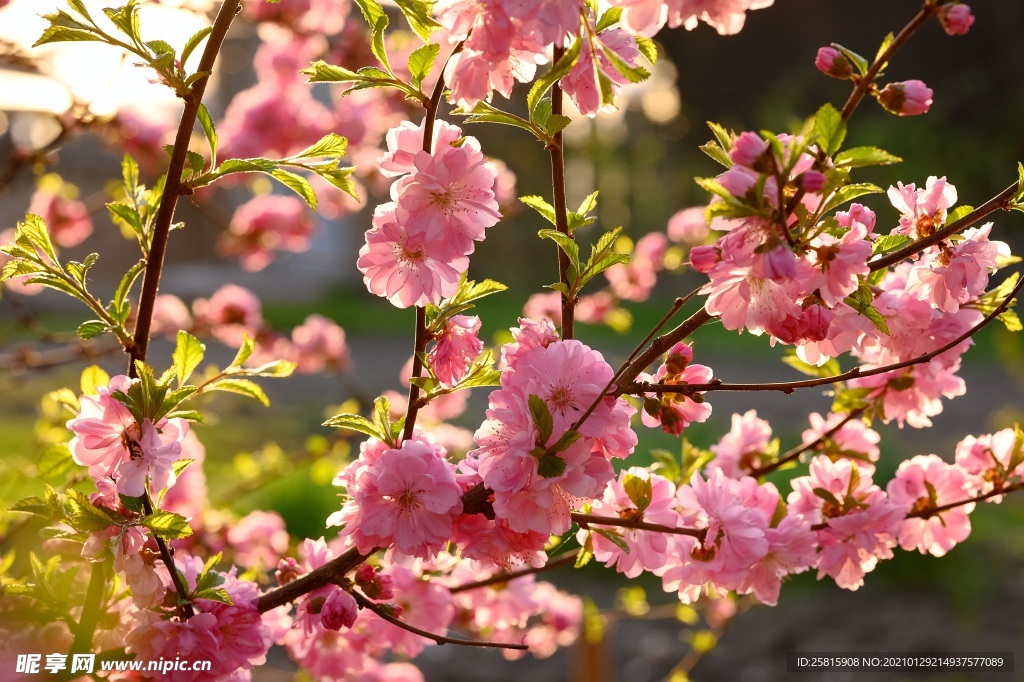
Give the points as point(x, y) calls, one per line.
point(339, 610)
point(704, 258)
point(833, 63)
point(679, 356)
point(747, 148)
point(287, 571)
point(812, 181)
point(908, 98)
point(956, 20)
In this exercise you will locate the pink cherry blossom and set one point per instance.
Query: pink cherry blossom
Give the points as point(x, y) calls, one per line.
point(229, 314)
point(528, 335)
point(406, 496)
point(638, 495)
point(258, 539)
point(646, 17)
point(841, 261)
point(582, 82)
point(992, 460)
point(833, 63)
point(232, 637)
point(909, 98)
point(688, 226)
point(745, 447)
point(456, 347)
point(925, 482)
point(747, 149)
point(633, 281)
point(422, 603)
point(861, 523)
point(952, 276)
point(265, 224)
point(407, 270)
point(319, 343)
point(853, 440)
point(170, 315)
point(675, 411)
point(956, 19)
point(339, 610)
point(922, 210)
point(67, 219)
point(405, 142)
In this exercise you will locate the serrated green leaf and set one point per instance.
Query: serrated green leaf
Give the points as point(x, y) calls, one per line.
point(865, 156)
point(133, 504)
point(331, 144)
point(829, 129)
point(93, 376)
point(717, 153)
point(188, 353)
point(633, 74)
point(355, 422)
point(244, 351)
point(608, 19)
point(217, 594)
point(241, 387)
point(849, 193)
point(648, 48)
point(375, 16)
point(886, 42)
point(484, 112)
point(91, 329)
point(550, 466)
point(78, 270)
point(566, 243)
point(33, 505)
point(126, 214)
point(417, 13)
point(119, 304)
point(62, 34)
point(888, 242)
point(34, 230)
point(958, 213)
point(192, 43)
point(276, 368)
point(538, 204)
point(555, 73)
point(322, 72)
point(556, 124)
point(613, 537)
point(167, 525)
point(340, 178)
point(297, 184)
point(206, 122)
point(55, 282)
point(181, 465)
point(421, 61)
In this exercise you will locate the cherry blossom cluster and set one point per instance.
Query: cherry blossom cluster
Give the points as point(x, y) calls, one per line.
point(232, 313)
point(647, 17)
point(419, 245)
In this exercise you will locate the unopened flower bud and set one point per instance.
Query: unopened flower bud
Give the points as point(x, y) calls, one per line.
point(909, 98)
point(956, 19)
point(339, 610)
point(704, 258)
point(747, 149)
point(833, 63)
point(812, 181)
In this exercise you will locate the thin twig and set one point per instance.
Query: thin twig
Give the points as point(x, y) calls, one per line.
point(868, 79)
point(440, 639)
point(508, 576)
point(557, 154)
point(855, 373)
point(586, 519)
point(801, 449)
point(661, 345)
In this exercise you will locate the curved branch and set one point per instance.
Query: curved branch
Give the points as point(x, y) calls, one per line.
point(801, 449)
point(659, 346)
point(586, 519)
point(1001, 201)
point(868, 79)
point(331, 572)
point(504, 577)
point(855, 373)
point(440, 639)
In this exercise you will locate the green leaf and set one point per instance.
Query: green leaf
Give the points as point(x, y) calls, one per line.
point(119, 304)
point(127, 215)
point(217, 594)
point(856, 157)
point(538, 204)
point(648, 48)
point(717, 153)
point(340, 178)
point(34, 232)
point(544, 83)
point(633, 74)
point(206, 121)
point(79, 270)
point(958, 213)
point(241, 387)
point(417, 13)
point(126, 19)
point(550, 466)
point(484, 112)
point(62, 34)
point(608, 19)
point(209, 578)
point(192, 43)
point(849, 193)
point(276, 368)
point(91, 329)
point(328, 145)
point(887, 243)
point(244, 351)
point(566, 243)
point(541, 418)
point(133, 504)
point(640, 490)
point(56, 282)
point(472, 291)
point(421, 61)
point(1020, 183)
point(829, 129)
point(374, 15)
point(667, 464)
point(886, 42)
point(614, 537)
point(355, 422)
point(585, 555)
point(556, 123)
point(297, 184)
point(859, 62)
point(188, 353)
point(167, 525)
point(93, 377)
point(56, 461)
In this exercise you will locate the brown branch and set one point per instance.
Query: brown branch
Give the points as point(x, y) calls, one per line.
point(166, 554)
point(855, 373)
point(1001, 201)
point(868, 79)
point(173, 187)
point(29, 358)
point(440, 639)
point(585, 520)
point(507, 576)
point(801, 449)
point(659, 346)
point(330, 573)
point(557, 154)
point(932, 511)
